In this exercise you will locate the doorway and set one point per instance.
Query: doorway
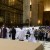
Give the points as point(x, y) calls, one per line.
point(46, 18)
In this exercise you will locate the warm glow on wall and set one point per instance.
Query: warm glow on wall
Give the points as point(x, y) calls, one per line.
point(11, 2)
point(47, 9)
point(39, 21)
point(30, 2)
point(11, 21)
point(46, 5)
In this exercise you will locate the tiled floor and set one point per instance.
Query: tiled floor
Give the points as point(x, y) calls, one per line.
point(46, 45)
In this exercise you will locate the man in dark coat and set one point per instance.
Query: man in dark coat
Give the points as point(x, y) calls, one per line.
point(4, 32)
point(36, 34)
point(13, 32)
point(41, 35)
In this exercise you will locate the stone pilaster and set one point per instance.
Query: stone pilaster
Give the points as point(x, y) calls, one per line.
point(26, 10)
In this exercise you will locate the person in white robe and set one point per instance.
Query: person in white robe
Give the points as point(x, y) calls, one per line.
point(21, 35)
point(32, 38)
point(25, 29)
point(8, 30)
point(17, 32)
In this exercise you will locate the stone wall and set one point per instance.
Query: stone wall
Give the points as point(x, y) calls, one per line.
point(37, 12)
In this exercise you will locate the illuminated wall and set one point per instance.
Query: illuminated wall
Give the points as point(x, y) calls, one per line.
point(37, 12)
point(46, 15)
point(46, 5)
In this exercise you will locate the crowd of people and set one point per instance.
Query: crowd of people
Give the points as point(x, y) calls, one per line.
point(25, 33)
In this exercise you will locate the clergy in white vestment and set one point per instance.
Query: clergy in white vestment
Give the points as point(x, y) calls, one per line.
point(8, 30)
point(37, 27)
point(31, 30)
point(25, 29)
point(21, 35)
point(32, 38)
point(17, 32)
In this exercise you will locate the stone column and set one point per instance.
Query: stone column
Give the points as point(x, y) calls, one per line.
point(26, 10)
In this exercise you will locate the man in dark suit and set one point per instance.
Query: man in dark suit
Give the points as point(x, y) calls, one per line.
point(13, 32)
point(4, 32)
